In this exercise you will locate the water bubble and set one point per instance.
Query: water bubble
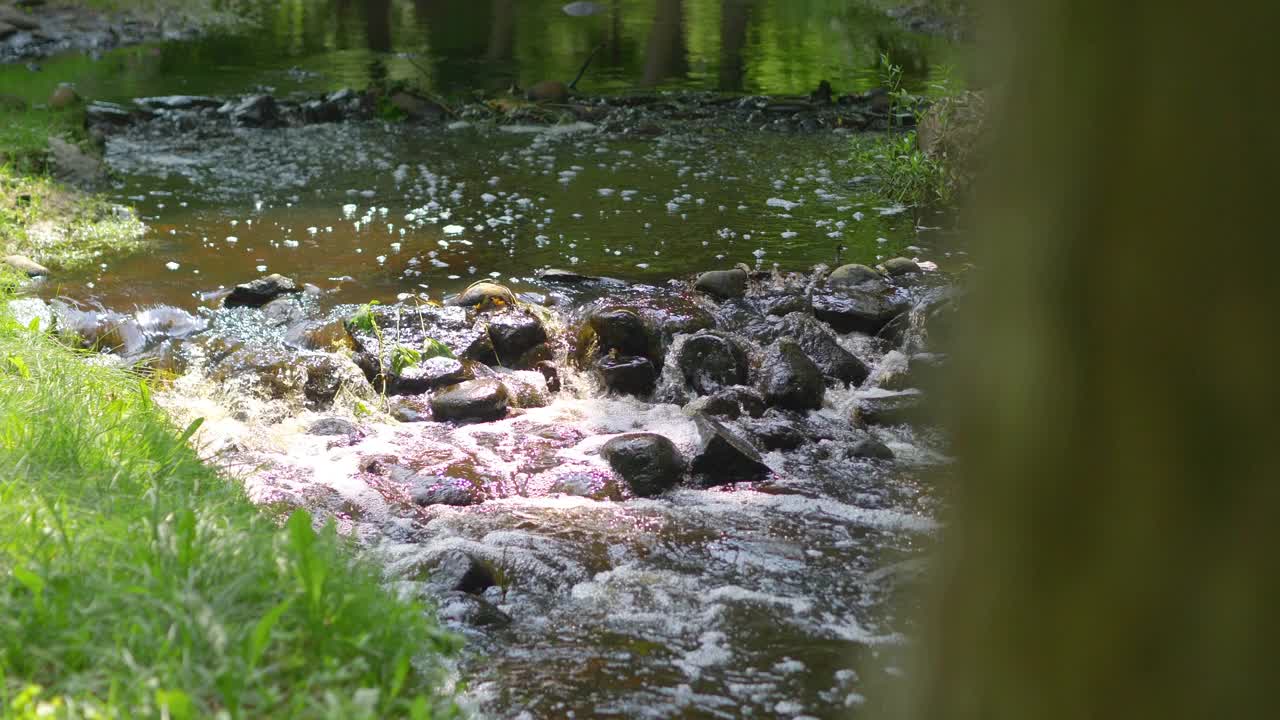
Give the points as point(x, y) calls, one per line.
point(172, 265)
point(261, 268)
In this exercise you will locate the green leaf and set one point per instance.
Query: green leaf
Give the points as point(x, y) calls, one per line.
point(260, 638)
point(434, 348)
point(177, 703)
point(191, 430)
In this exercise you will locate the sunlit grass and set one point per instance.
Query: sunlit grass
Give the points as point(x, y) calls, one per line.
point(137, 582)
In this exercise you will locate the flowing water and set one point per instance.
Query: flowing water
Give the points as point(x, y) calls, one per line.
point(772, 599)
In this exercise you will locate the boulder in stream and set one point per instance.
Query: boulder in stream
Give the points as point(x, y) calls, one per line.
point(710, 362)
point(453, 570)
point(256, 111)
point(723, 284)
point(628, 375)
point(454, 492)
point(430, 374)
point(858, 310)
point(471, 401)
point(725, 457)
point(257, 293)
point(856, 277)
point(835, 362)
point(789, 379)
point(892, 408)
point(649, 463)
point(514, 333)
point(26, 265)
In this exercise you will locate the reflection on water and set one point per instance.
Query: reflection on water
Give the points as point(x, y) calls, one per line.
point(456, 47)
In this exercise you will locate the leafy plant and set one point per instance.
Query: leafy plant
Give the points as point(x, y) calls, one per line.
point(905, 173)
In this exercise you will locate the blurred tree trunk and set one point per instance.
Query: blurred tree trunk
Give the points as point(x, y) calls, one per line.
point(1115, 546)
point(666, 52)
point(502, 33)
point(734, 18)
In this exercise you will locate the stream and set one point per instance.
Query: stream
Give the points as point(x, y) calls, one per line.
point(773, 579)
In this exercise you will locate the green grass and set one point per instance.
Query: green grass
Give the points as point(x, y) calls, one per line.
point(60, 227)
point(904, 173)
point(136, 582)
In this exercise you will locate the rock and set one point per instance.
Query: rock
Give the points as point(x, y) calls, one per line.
point(327, 375)
point(105, 117)
point(897, 408)
point(64, 96)
point(525, 388)
point(18, 19)
point(410, 408)
point(454, 492)
point(256, 111)
point(552, 91)
point(177, 102)
point(457, 571)
point(871, 448)
point(483, 294)
point(723, 284)
point(332, 426)
point(474, 400)
point(789, 379)
point(724, 457)
point(550, 373)
point(714, 406)
point(824, 349)
point(267, 371)
point(283, 311)
point(257, 293)
point(742, 317)
point(318, 335)
point(778, 431)
point(710, 362)
point(429, 374)
point(6, 30)
point(649, 463)
point(628, 375)
point(378, 463)
point(857, 311)
point(784, 304)
point(26, 265)
point(316, 112)
point(750, 402)
point(458, 607)
point(899, 266)
point(514, 333)
point(416, 327)
point(857, 277)
point(561, 276)
point(594, 485)
point(418, 109)
point(620, 329)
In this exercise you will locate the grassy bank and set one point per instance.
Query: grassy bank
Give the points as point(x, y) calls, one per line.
point(136, 582)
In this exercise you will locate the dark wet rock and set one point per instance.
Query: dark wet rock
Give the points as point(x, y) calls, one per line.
point(63, 97)
point(271, 372)
point(315, 112)
point(719, 406)
point(332, 426)
point(871, 448)
point(784, 304)
point(550, 373)
point(514, 333)
point(899, 266)
point(24, 264)
point(17, 19)
point(628, 375)
point(474, 400)
point(594, 485)
point(906, 407)
point(483, 295)
point(6, 30)
point(858, 311)
point(454, 492)
point(552, 91)
point(557, 275)
point(458, 607)
point(723, 284)
point(710, 362)
point(378, 463)
point(418, 109)
point(256, 111)
point(329, 374)
point(824, 349)
point(454, 570)
point(856, 277)
point(649, 463)
point(742, 317)
point(789, 379)
point(257, 293)
point(73, 165)
point(749, 401)
point(620, 329)
point(430, 374)
point(105, 118)
point(779, 431)
point(725, 457)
